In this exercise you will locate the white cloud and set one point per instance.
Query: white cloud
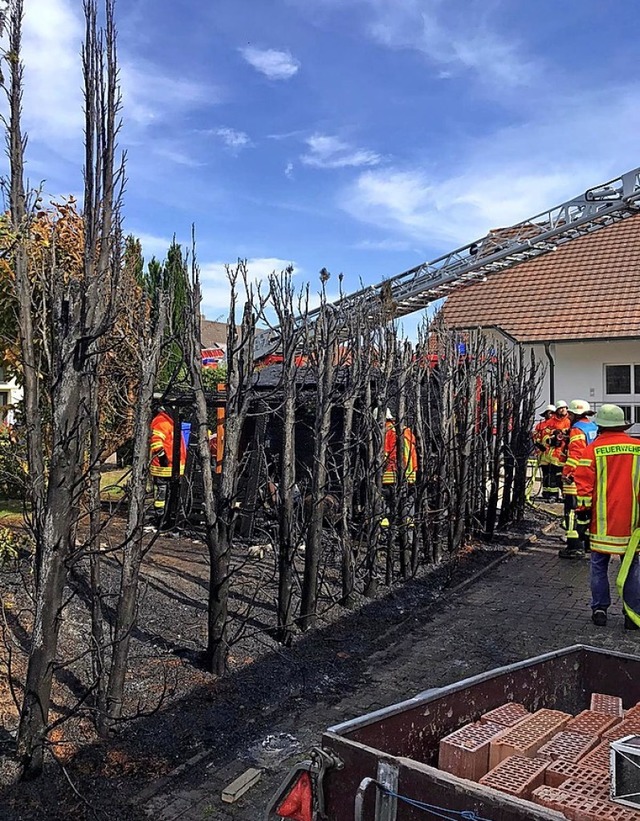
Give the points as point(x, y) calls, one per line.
point(53, 98)
point(274, 64)
point(383, 245)
point(331, 152)
point(52, 37)
point(288, 170)
point(150, 96)
point(234, 140)
point(152, 246)
point(506, 177)
point(215, 284)
point(456, 38)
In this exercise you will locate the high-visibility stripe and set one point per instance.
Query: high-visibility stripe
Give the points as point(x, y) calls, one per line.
point(585, 462)
point(601, 494)
point(572, 462)
point(164, 472)
point(623, 573)
point(636, 493)
point(584, 501)
point(614, 541)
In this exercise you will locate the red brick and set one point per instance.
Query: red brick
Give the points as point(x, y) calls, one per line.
point(580, 808)
point(526, 737)
point(603, 703)
point(592, 723)
point(596, 788)
point(616, 812)
point(570, 746)
point(465, 752)
point(599, 759)
point(632, 712)
point(508, 714)
point(628, 726)
point(559, 771)
point(516, 776)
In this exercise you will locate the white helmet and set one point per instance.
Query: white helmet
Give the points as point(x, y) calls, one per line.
point(561, 404)
point(611, 416)
point(549, 409)
point(388, 415)
point(580, 407)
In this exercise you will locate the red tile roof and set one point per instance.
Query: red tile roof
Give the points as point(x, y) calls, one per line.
point(589, 288)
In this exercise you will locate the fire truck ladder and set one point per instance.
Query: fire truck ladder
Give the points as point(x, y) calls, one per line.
point(416, 288)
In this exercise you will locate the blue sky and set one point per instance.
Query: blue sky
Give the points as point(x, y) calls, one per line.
point(366, 136)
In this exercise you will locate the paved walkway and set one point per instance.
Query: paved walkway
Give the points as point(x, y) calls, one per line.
point(529, 604)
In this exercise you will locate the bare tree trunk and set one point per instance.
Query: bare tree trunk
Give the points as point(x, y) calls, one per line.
point(79, 311)
point(133, 545)
point(95, 527)
point(240, 351)
point(324, 353)
point(281, 290)
point(20, 224)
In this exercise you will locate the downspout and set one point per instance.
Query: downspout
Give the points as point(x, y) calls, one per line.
point(552, 365)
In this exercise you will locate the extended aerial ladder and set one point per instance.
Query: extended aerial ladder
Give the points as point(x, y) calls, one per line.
point(418, 287)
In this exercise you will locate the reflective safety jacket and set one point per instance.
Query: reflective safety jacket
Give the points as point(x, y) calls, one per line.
point(162, 442)
point(555, 440)
point(608, 482)
point(540, 436)
point(409, 455)
point(581, 435)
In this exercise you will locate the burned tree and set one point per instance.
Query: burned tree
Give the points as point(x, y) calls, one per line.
point(76, 313)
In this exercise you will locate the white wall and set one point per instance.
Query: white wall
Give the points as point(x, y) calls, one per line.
point(15, 395)
point(579, 370)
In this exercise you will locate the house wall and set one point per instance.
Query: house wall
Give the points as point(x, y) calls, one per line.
point(579, 372)
point(10, 394)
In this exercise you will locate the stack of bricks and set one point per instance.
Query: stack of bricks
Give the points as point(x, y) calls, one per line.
point(526, 737)
point(578, 807)
point(550, 757)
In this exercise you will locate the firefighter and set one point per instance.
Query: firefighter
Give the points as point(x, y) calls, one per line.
point(556, 443)
point(581, 434)
point(540, 432)
point(390, 465)
point(608, 483)
point(161, 447)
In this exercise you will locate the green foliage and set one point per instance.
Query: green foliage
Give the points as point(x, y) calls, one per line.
point(12, 466)
point(11, 544)
point(212, 377)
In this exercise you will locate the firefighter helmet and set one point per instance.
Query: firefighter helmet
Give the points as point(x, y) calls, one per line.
point(561, 404)
point(549, 409)
point(611, 416)
point(580, 407)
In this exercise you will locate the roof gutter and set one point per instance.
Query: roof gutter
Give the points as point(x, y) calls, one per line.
point(552, 366)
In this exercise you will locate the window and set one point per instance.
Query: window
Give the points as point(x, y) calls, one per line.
point(618, 378)
point(636, 377)
point(4, 402)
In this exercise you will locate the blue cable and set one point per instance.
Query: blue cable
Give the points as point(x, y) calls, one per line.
point(466, 815)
